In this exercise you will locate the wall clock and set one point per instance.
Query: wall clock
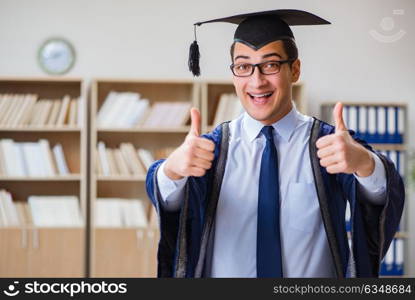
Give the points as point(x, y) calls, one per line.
point(56, 56)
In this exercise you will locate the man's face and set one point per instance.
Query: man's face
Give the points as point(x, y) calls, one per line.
point(266, 98)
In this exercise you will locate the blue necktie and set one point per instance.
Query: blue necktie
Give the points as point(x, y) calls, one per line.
point(268, 228)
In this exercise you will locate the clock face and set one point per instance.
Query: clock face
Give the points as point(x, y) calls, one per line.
point(56, 56)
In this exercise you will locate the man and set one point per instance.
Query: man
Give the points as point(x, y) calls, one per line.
point(265, 195)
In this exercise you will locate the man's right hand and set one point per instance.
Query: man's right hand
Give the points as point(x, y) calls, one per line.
point(192, 158)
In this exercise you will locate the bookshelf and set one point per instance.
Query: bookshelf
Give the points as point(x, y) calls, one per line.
point(29, 250)
point(122, 251)
point(384, 126)
point(211, 92)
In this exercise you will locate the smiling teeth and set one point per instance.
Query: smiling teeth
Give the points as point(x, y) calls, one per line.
point(261, 95)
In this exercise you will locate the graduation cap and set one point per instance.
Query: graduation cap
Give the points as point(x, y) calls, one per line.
point(258, 29)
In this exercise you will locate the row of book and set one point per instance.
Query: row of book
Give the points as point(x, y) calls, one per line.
point(64, 211)
point(119, 212)
point(375, 124)
point(124, 160)
point(229, 108)
point(398, 158)
point(129, 110)
point(27, 110)
point(31, 159)
point(40, 211)
point(393, 262)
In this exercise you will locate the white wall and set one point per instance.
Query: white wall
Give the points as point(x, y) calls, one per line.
point(150, 39)
point(127, 38)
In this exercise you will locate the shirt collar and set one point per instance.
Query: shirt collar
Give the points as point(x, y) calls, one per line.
point(284, 127)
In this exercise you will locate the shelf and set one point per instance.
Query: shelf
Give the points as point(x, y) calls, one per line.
point(121, 178)
point(30, 251)
point(40, 129)
point(364, 103)
point(401, 235)
point(394, 147)
point(184, 129)
point(398, 235)
point(73, 177)
point(130, 251)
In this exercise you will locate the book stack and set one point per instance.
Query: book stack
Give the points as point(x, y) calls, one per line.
point(26, 110)
point(167, 115)
point(55, 211)
point(31, 159)
point(40, 211)
point(129, 110)
point(118, 212)
point(229, 108)
point(122, 161)
point(374, 124)
point(122, 110)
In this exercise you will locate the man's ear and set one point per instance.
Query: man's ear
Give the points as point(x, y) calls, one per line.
point(295, 70)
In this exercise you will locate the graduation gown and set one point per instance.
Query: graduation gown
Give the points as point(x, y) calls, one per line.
point(185, 235)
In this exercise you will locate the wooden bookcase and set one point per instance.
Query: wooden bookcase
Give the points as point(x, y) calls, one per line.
point(29, 251)
point(212, 90)
point(406, 231)
point(130, 252)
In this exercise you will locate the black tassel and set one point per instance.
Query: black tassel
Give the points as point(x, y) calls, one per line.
point(194, 57)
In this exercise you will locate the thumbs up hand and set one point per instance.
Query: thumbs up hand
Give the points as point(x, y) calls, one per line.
point(194, 157)
point(340, 153)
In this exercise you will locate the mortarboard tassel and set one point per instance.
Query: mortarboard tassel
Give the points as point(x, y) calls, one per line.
point(194, 56)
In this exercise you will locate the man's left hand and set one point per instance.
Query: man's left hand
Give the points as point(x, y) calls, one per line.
point(340, 153)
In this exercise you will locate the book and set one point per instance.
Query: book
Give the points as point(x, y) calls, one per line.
point(120, 212)
point(12, 156)
point(146, 157)
point(55, 211)
point(108, 212)
point(111, 162)
point(33, 159)
point(133, 213)
point(73, 110)
point(62, 116)
point(60, 159)
point(53, 116)
point(102, 153)
point(47, 158)
point(133, 162)
point(44, 115)
point(12, 114)
point(120, 162)
point(24, 121)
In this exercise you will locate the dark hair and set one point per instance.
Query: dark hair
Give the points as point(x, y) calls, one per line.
point(289, 46)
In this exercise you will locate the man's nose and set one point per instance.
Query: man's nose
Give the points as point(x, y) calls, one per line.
point(257, 79)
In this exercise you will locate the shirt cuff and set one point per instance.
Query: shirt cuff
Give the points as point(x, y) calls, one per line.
point(376, 182)
point(166, 185)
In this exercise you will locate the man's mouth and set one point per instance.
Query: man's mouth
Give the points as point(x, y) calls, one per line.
point(260, 98)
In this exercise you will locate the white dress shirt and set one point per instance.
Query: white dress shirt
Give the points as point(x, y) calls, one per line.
point(305, 249)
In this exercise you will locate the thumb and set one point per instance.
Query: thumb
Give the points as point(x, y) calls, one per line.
point(338, 117)
point(195, 121)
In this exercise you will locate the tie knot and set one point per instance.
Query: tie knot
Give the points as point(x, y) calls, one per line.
point(267, 131)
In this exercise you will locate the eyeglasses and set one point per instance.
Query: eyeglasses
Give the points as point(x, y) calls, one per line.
point(266, 68)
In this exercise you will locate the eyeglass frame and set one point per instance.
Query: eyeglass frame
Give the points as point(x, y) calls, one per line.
point(281, 62)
